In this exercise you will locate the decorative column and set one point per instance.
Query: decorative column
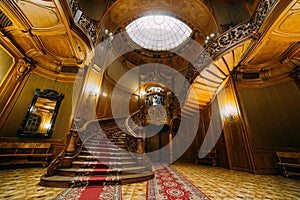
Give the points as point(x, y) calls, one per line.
point(12, 87)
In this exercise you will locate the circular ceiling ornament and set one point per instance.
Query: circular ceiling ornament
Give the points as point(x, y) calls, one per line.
point(158, 32)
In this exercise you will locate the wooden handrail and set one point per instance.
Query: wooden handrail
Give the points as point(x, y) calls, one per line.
point(58, 160)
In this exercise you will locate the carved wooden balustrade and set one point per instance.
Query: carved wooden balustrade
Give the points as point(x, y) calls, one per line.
point(222, 44)
point(76, 139)
point(57, 162)
point(83, 21)
point(149, 114)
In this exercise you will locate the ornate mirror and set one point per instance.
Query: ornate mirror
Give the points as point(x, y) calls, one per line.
point(40, 118)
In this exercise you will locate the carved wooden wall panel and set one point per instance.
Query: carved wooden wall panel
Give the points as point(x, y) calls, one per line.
point(280, 35)
point(46, 17)
point(50, 43)
point(25, 94)
point(222, 159)
point(272, 119)
point(235, 138)
point(266, 162)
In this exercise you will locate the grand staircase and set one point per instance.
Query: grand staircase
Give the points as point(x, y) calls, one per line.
point(102, 160)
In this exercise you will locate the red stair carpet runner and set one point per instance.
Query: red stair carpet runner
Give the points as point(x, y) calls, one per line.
point(168, 184)
point(110, 192)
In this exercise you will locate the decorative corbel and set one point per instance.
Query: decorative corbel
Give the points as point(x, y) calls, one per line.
point(265, 74)
point(23, 68)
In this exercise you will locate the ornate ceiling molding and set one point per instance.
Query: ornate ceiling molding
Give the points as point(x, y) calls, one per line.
point(194, 13)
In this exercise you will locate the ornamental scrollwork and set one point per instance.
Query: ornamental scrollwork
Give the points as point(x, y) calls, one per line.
point(158, 114)
point(222, 43)
point(74, 5)
point(83, 21)
point(23, 68)
point(88, 26)
point(236, 34)
point(131, 143)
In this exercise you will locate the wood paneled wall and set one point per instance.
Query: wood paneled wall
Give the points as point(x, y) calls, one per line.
point(19, 109)
point(89, 94)
point(191, 154)
point(94, 9)
point(272, 117)
point(236, 140)
point(120, 101)
point(229, 13)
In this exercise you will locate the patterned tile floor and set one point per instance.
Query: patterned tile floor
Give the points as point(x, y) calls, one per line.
point(217, 183)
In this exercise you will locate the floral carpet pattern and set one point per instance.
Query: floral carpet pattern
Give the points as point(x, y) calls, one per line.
point(168, 184)
point(110, 192)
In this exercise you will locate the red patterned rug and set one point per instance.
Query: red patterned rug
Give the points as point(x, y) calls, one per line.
point(168, 184)
point(109, 192)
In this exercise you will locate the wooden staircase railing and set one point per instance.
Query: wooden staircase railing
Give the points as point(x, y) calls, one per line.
point(57, 162)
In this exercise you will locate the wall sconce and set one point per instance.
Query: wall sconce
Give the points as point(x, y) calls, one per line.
point(108, 35)
point(209, 39)
point(230, 112)
point(94, 92)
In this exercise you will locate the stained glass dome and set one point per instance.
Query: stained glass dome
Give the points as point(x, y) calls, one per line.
point(158, 32)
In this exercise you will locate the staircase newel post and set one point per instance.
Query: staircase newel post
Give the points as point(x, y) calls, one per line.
point(140, 143)
point(140, 150)
point(59, 160)
point(71, 146)
point(70, 149)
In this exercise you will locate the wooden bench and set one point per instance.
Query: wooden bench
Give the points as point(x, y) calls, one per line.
point(210, 158)
point(289, 162)
point(14, 153)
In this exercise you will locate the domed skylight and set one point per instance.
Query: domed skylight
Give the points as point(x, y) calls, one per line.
point(158, 32)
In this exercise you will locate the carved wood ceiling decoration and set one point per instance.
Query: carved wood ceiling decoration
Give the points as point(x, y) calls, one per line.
point(194, 13)
point(59, 38)
point(276, 53)
point(122, 12)
point(265, 41)
point(45, 33)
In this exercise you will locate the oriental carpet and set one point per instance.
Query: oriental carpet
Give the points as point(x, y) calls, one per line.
point(109, 192)
point(167, 184)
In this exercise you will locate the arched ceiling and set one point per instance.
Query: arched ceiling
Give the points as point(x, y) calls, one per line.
point(194, 13)
point(122, 12)
point(271, 49)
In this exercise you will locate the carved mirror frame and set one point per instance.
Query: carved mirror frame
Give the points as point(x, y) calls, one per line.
point(41, 114)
